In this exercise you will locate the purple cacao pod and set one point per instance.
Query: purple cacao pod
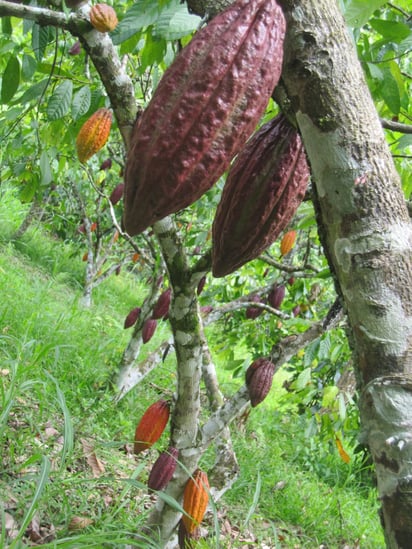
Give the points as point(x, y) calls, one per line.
point(149, 328)
point(205, 107)
point(258, 380)
point(132, 317)
point(263, 190)
point(117, 194)
point(163, 469)
point(276, 296)
point(253, 312)
point(161, 308)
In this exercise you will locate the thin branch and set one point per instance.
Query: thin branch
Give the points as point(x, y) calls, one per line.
point(396, 126)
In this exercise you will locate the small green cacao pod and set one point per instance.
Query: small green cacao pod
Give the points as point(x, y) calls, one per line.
point(263, 190)
point(205, 107)
point(258, 380)
point(163, 469)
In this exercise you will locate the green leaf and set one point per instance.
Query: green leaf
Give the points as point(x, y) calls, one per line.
point(303, 379)
point(406, 44)
point(29, 188)
point(6, 27)
point(81, 102)
point(394, 31)
point(60, 101)
point(175, 22)
point(375, 71)
point(34, 92)
point(39, 40)
point(45, 170)
point(28, 67)
point(11, 79)
point(153, 52)
point(358, 12)
point(390, 91)
point(404, 142)
point(142, 14)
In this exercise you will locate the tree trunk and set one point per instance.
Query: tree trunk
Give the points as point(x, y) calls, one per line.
point(366, 233)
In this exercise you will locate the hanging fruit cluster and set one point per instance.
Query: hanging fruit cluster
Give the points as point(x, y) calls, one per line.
point(203, 111)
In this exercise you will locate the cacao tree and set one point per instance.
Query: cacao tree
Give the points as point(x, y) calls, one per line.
point(361, 213)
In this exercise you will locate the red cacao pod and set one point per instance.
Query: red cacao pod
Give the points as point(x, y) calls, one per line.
point(149, 328)
point(201, 285)
point(195, 500)
point(132, 317)
point(163, 469)
point(151, 425)
point(296, 310)
point(117, 194)
point(254, 312)
point(258, 380)
point(103, 17)
point(106, 164)
point(276, 296)
point(161, 308)
point(287, 242)
point(263, 190)
point(204, 109)
point(93, 134)
point(75, 49)
point(185, 539)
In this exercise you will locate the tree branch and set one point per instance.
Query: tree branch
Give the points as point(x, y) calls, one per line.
point(396, 126)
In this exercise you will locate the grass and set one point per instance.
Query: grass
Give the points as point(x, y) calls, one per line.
point(68, 478)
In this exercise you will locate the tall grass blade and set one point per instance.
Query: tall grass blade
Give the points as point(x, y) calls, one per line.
point(41, 484)
point(255, 501)
point(68, 436)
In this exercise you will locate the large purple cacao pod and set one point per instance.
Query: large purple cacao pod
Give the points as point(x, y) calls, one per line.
point(263, 190)
point(204, 109)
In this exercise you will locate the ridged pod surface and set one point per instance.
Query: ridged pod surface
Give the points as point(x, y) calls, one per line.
point(103, 17)
point(93, 134)
point(276, 296)
point(287, 242)
point(163, 469)
point(204, 109)
point(161, 308)
point(263, 190)
point(151, 425)
point(132, 317)
point(258, 380)
point(195, 500)
point(149, 328)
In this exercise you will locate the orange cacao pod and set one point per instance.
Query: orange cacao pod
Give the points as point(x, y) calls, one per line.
point(258, 380)
point(205, 107)
point(93, 134)
point(151, 425)
point(263, 190)
point(163, 469)
point(195, 500)
point(287, 242)
point(103, 17)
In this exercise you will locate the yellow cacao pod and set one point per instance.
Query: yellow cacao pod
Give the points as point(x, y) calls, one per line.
point(103, 17)
point(93, 134)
